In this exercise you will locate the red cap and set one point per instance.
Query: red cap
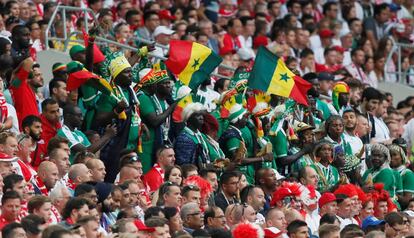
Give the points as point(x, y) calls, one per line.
point(338, 48)
point(7, 158)
point(142, 227)
point(326, 198)
point(165, 14)
point(326, 33)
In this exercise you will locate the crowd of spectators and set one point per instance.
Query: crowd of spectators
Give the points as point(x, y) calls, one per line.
point(115, 145)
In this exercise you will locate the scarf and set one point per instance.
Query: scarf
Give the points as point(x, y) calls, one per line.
point(70, 184)
point(49, 129)
point(3, 108)
point(158, 168)
point(40, 185)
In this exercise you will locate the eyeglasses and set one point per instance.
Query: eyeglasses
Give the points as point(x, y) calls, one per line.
point(133, 159)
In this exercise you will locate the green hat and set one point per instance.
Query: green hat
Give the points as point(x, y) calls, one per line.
point(236, 113)
point(58, 67)
point(74, 66)
point(76, 49)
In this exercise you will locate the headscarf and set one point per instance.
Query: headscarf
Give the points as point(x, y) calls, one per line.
point(339, 87)
point(398, 149)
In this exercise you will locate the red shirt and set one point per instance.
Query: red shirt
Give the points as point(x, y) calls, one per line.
point(230, 45)
point(23, 96)
point(154, 178)
point(49, 131)
point(4, 222)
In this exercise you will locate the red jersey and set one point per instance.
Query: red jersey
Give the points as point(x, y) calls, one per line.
point(24, 97)
point(4, 222)
point(49, 131)
point(230, 45)
point(154, 178)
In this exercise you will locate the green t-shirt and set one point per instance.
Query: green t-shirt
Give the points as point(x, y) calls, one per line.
point(407, 177)
point(279, 145)
point(323, 107)
point(234, 143)
point(75, 137)
point(107, 103)
point(390, 178)
point(147, 107)
point(88, 103)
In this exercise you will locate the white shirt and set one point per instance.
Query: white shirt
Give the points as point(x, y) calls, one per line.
point(313, 221)
point(346, 221)
point(355, 142)
point(11, 111)
point(381, 130)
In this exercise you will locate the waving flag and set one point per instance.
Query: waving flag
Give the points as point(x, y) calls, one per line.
point(191, 62)
point(271, 75)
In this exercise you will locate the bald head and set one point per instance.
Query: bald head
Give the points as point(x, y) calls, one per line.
point(79, 173)
point(129, 173)
point(97, 168)
point(48, 172)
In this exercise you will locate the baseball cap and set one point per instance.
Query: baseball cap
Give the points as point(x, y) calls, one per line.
point(394, 7)
point(326, 198)
point(7, 158)
point(326, 33)
point(325, 76)
point(163, 30)
point(142, 227)
point(165, 14)
point(371, 221)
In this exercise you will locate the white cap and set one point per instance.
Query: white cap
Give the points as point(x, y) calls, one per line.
point(190, 109)
point(163, 30)
point(245, 54)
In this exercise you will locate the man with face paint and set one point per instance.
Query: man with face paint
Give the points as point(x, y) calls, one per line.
point(381, 171)
point(121, 110)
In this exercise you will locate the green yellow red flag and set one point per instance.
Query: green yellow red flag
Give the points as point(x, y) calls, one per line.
point(270, 74)
point(191, 62)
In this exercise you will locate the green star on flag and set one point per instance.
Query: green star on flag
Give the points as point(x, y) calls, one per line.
point(284, 77)
point(196, 63)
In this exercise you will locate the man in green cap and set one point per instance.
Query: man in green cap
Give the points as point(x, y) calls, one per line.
point(77, 52)
point(109, 109)
point(155, 112)
point(237, 142)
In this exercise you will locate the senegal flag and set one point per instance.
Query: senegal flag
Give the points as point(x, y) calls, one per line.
point(191, 62)
point(271, 75)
